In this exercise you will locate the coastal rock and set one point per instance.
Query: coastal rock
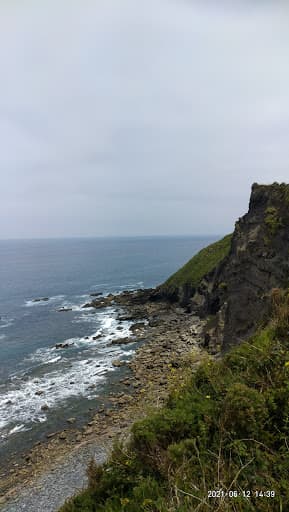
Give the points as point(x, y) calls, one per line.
point(121, 341)
point(71, 420)
point(63, 345)
point(154, 322)
point(52, 434)
point(63, 310)
point(103, 302)
point(236, 294)
point(41, 299)
point(117, 363)
point(137, 327)
point(88, 431)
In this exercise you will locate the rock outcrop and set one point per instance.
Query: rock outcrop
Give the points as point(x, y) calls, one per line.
point(237, 292)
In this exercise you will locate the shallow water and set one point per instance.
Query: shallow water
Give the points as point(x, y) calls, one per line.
point(42, 385)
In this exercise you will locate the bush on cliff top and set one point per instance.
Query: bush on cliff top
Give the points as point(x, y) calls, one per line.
point(200, 265)
point(228, 429)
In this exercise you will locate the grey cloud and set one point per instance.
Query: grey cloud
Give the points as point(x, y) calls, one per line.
point(154, 117)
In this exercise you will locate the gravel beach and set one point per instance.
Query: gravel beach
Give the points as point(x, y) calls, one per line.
point(49, 491)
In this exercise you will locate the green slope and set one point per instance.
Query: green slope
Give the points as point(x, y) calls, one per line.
point(200, 265)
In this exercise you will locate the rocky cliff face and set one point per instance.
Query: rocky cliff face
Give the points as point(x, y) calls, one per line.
point(237, 292)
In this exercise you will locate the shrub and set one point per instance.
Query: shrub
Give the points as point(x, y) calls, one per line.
point(244, 411)
point(227, 428)
point(272, 220)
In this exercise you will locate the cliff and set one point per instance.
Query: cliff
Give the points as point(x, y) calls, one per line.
point(236, 292)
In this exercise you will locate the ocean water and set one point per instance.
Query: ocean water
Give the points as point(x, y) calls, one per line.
point(40, 385)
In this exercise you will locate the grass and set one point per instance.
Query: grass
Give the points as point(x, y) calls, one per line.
point(200, 265)
point(226, 429)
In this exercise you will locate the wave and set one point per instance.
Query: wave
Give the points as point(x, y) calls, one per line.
point(117, 287)
point(29, 401)
point(63, 373)
point(43, 356)
point(6, 322)
point(43, 301)
point(18, 428)
point(99, 285)
point(132, 286)
point(73, 307)
point(57, 297)
point(53, 360)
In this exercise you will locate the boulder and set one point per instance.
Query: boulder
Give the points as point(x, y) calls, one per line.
point(137, 327)
point(121, 341)
point(117, 363)
point(63, 345)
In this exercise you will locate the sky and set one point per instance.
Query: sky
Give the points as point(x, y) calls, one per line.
point(139, 118)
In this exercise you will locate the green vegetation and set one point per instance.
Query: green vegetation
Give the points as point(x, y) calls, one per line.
point(280, 191)
point(272, 220)
point(226, 428)
point(202, 263)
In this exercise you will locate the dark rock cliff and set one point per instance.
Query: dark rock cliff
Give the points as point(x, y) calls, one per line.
point(237, 292)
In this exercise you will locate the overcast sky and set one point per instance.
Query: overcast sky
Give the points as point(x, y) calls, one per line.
point(139, 117)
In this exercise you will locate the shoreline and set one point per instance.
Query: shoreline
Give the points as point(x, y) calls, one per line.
point(169, 336)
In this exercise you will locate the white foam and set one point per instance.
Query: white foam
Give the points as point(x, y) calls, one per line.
point(132, 286)
point(41, 355)
point(22, 403)
point(57, 297)
point(74, 307)
point(31, 303)
point(81, 308)
point(7, 322)
point(53, 360)
point(99, 285)
point(2, 336)
point(40, 302)
point(18, 428)
point(86, 318)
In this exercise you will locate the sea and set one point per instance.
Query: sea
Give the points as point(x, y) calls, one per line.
point(41, 386)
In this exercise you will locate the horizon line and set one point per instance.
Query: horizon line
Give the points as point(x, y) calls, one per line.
point(85, 237)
